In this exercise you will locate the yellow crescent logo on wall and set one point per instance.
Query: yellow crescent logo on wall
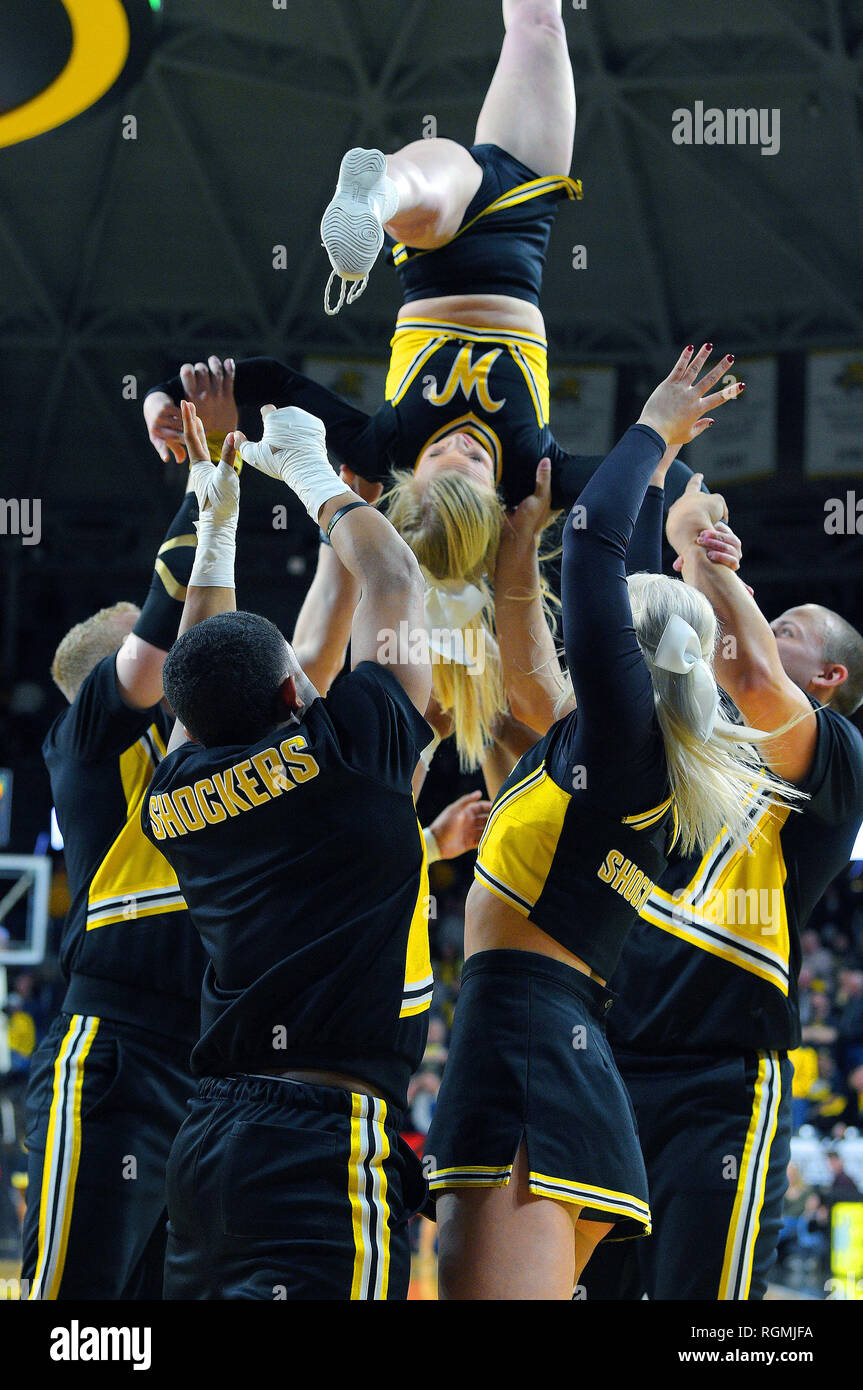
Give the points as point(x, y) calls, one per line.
point(100, 47)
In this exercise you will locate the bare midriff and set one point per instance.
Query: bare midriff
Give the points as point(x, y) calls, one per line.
point(314, 1077)
point(479, 311)
point(492, 925)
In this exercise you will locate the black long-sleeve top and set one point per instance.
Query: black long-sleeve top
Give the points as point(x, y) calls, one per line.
point(579, 831)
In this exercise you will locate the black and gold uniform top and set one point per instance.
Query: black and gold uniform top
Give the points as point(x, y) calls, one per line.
point(711, 965)
point(304, 867)
point(128, 950)
point(577, 836)
point(502, 242)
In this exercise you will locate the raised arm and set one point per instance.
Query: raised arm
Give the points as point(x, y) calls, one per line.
point(227, 393)
point(388, 623)
point(570, 474)
point(532, 674)
point(140, 660)
point(613, 690)
point(323, 627)
point(533, 677)
point(211, 587)
point(747, 663)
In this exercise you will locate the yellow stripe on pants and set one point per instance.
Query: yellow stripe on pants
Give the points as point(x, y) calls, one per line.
point(62, 1156)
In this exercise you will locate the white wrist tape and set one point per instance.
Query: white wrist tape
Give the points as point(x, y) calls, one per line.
point(294, 448)
point(215, 554)
point(432, 847)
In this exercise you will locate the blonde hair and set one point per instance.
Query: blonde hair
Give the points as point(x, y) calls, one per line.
point(713, 783)
point(452, 524)
point(86, 644)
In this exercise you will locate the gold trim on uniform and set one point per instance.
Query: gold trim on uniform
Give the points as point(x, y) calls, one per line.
point(743, 1230)
point(414, 345)
point(706, 913)
point(501, 864)
point(620, 1204)
point(602, 1198)
point(471, 1175)
point(481, 432)
point(62, 1155)
point(522, 193)
point(134, 880)
point(367, 1192)
point(418, 981)
point(172, 587)
point(644, 819)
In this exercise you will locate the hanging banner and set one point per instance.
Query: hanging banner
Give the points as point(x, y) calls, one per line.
point(583, 401)
point(834, 413)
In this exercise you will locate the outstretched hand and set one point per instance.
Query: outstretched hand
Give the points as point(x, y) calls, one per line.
point(209, 386)
point(679, 408)
point(292, 436)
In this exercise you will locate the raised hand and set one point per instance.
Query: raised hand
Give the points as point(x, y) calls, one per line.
point(210, 388)
point(290, 436)
point(164, 426)
point(723, 547)
point(526, 521)
point(217, 486)
point(459, 826)
point(679, 408)
point(701, 518)
point(693, 512)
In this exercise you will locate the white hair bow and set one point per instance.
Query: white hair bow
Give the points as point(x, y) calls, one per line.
point(679, 651)
point(450, 605)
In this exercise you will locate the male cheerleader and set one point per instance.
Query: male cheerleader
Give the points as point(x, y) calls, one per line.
point(291, 824)
point(707, 1003)
point(110, 1082)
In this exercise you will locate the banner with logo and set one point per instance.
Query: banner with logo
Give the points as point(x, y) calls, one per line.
point(834, 413)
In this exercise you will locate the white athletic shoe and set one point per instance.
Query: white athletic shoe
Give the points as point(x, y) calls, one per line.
point(352, 228)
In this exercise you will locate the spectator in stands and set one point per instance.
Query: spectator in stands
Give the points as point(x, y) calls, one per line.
point(826, 1094)
point(819, 1026)
point(855, 1096)
point(850, 1023)
point(842, 1187)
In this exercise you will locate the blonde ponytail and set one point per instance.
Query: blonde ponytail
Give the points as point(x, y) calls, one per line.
point(452, 524)
point(712, 782)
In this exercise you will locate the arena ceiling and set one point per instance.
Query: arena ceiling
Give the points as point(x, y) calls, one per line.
point(123, 256)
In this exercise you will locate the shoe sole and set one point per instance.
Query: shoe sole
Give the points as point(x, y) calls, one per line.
point(351, 233)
